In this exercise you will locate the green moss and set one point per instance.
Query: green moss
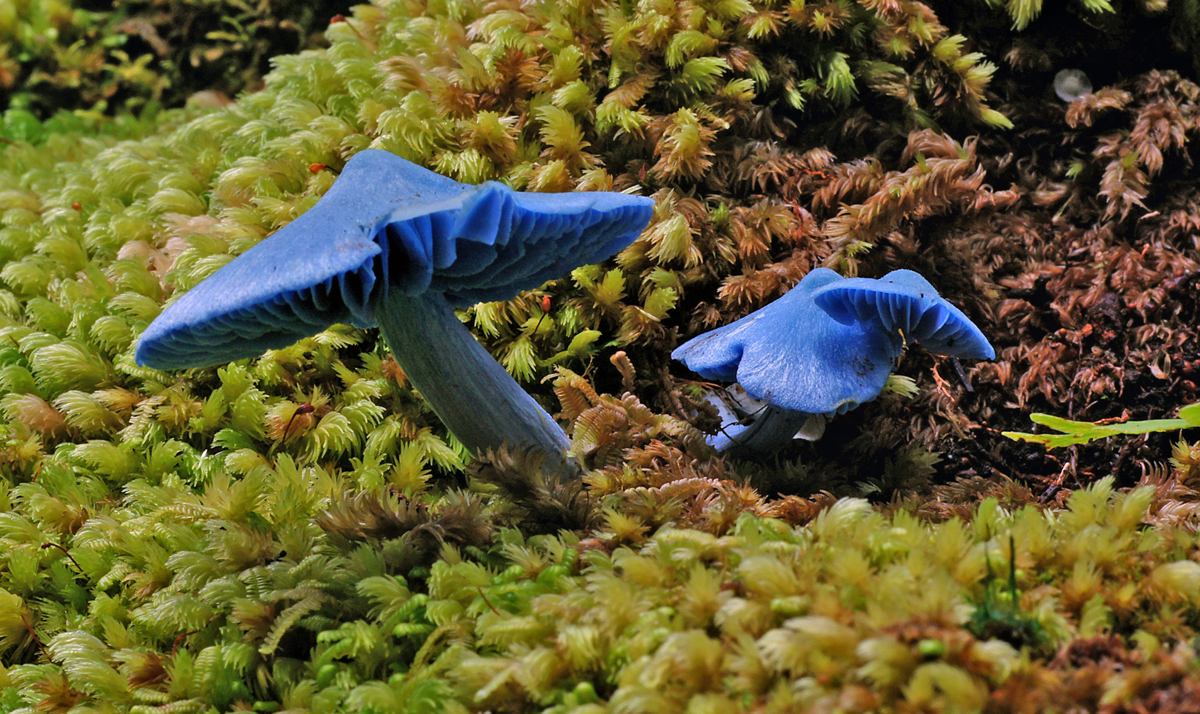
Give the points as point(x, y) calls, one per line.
point(60, 56)
point(254, 602)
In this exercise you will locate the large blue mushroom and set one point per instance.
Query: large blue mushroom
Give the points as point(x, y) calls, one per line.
point(822, 349)
point(395, 245)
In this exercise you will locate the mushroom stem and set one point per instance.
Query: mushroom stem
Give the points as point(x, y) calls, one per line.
point(475, 397)
point(773, 429)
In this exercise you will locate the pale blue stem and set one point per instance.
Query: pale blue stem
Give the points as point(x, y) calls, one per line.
point(477, 400)
point(773, 429)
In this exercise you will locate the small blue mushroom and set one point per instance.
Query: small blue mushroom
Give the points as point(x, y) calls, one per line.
point(824, 348)
point(395, 245)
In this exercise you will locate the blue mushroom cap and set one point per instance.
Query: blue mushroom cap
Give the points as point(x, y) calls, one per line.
point(795, 356)
point(904, 301)
point(387, 224)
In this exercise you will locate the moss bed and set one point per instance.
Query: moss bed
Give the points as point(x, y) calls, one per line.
point(298, 533)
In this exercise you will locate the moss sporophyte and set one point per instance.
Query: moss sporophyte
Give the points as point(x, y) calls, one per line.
point(822, 349)
point(398, 246)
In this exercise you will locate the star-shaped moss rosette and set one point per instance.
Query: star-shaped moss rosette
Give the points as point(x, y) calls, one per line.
point(398, 246)
point(824, 348)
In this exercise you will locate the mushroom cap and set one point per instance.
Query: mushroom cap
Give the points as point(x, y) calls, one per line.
point(795, 356)
point(386, 224)
point(903, 300)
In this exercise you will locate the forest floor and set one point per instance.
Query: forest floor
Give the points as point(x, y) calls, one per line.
point(1079, 235)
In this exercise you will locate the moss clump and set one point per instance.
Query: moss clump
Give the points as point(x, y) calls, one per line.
point(58, 55)
point(285, 531)
point(249, 592)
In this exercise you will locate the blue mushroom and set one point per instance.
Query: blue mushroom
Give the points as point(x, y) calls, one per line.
point(395, 245)
point(822, 349)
